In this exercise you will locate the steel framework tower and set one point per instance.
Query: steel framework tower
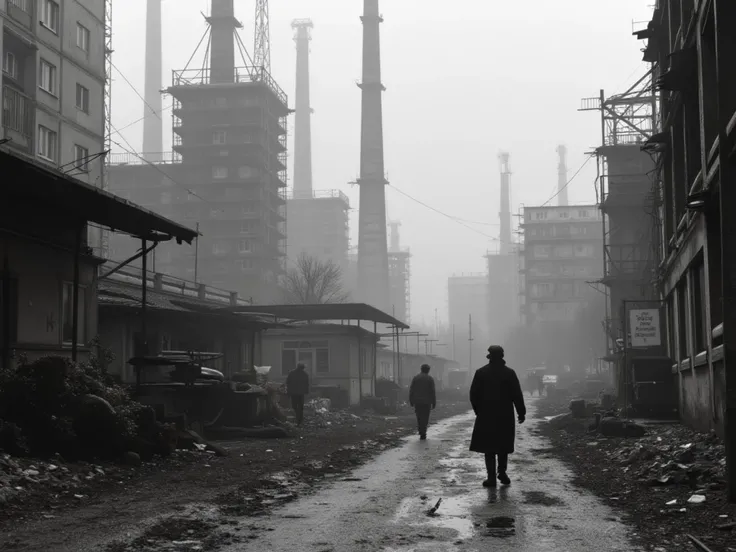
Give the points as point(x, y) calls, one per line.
point(303, 116)
point(505, 214)
point(373, 280)
point(562, 200)
point(153, 136)
point(262, 37)
point(399, 268)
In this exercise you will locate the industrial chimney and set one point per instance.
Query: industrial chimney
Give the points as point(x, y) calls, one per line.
point(505, 214)
point(373, 279)
point(222, 47)
point(562, 176)
point(153, 137)
point(303, 116)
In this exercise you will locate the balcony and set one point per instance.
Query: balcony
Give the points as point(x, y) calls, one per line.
point(21, 11)
point(18, 113)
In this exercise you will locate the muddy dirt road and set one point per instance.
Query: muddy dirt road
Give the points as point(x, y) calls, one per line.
point(383, 507)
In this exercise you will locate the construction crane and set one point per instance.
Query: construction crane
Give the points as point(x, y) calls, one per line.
point(262, 37)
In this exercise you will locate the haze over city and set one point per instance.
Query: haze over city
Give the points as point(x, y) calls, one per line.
point(464, 81)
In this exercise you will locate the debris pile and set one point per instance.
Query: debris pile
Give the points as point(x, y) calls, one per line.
point(668, 478)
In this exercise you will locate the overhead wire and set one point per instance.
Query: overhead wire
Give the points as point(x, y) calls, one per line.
point(590, 156)
point(135, 90)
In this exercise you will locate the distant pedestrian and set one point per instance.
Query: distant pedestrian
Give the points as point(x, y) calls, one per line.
point(494, 394)
point(297, 386)
point(423, 398)
point(540, 384)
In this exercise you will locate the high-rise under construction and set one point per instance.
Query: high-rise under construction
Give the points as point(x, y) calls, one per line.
point(227, 173)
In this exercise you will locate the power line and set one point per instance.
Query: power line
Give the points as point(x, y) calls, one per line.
point(132, 151)
point(135, 90)
point(142, 119)
point(568, 182)
point(453, 219)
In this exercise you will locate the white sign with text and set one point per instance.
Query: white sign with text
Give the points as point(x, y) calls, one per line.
point(644, 328)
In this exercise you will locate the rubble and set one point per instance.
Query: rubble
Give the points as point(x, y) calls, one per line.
point(668, 478)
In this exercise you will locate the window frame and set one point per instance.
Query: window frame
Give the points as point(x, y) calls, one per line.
point(219, 133)
point(52, 77)
point(48, 133)
point(50, 14)
point(83, 94)
point(8, 56)
point(85, 36)
point(81, 162)
point(220, 170)
point(66, 289)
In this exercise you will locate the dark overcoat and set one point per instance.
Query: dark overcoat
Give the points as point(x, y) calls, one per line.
point(494, 394)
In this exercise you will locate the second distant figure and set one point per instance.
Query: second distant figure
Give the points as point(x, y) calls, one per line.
point(297, 387)
point(423, 398)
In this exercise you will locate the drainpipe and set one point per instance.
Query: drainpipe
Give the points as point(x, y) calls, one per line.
point(360, 368)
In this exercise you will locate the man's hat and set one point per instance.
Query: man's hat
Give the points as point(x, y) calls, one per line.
point(495, 351)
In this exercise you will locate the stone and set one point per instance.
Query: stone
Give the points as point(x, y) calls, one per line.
point(132, 459)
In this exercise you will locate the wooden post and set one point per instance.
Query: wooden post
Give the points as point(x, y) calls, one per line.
point(75, 291)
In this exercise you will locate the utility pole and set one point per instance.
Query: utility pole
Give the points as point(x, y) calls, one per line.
point(725, 15)
point(470, 342)
point(196, 255)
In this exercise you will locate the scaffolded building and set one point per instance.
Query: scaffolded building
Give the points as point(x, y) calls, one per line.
point(227, 173)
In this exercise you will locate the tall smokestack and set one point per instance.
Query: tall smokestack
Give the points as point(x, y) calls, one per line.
point(395, 237)
point(562, 176)
point(505, 214)
point(373, 283)
point(222, 47)
point(153, 133)
point(303, 116)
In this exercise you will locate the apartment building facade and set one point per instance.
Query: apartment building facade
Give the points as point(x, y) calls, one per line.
point(53, 79)
point(691, 46)
point(562, 255)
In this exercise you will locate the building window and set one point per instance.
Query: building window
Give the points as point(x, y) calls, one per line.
point(82, 98)
point(10, 65)
point(363, 361)
point(583, 214)
point(67, 314)
point(81, 158)
point(49, 12)
point(47, 80)
point(82, 37)
point(246, 264)
point(247, 227)
point(564, 215)
point(12, 305)
point(540, 215)
point(245, 172)
point(219, 172)
point(219, 137)
point(219, 248)
point(698, 305)
point(246, 246)
point(322, 361)
point(46, 143)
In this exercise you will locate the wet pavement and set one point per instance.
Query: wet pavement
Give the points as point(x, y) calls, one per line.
point(384, 505)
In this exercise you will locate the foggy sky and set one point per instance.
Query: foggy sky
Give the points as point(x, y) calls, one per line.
point(465, 79)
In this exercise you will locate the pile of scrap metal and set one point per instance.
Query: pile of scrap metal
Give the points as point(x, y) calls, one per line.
point(178, 386)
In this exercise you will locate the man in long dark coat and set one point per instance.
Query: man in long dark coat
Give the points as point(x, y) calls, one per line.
point(423, 398)
point(494, 394)
point(297, 386)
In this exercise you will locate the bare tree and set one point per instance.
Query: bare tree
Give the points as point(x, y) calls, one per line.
point(314, 282)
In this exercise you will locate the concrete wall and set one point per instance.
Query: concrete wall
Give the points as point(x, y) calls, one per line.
point(41, 272)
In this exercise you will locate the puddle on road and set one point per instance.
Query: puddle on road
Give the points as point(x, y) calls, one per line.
point(451, 515)
point(539, 498)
